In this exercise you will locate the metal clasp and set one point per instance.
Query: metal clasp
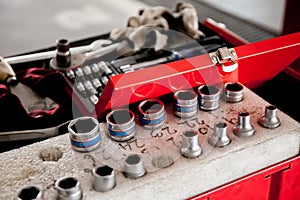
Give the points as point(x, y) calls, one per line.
point(224, 55)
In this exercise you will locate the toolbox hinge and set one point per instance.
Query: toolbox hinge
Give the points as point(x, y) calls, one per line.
point(223, 56)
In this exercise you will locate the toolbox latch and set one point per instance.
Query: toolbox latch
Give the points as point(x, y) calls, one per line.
point(226, 58)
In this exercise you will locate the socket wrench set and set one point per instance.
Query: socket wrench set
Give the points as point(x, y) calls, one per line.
point(89, 79)
point(173, 136)
point(169, 124)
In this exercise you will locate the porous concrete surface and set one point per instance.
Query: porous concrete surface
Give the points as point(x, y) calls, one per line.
point(185, 178)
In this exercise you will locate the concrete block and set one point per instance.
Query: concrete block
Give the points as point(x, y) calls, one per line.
point(45, 162)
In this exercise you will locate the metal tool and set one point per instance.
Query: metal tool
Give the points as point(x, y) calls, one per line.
point(152, 113)
point(68, 188)
point(30, 99)
point(34, 134)
point(233, 92)
point(84, 133)
point(94, 46)
point(209, 96)
point(185, 103)
point(121, 124)
point(104, 178)
point(134, 167)
point(270, 119)
point(30, 192)
point(190, 145)
point(78, 59)
point(244, 127)
point(219, 137)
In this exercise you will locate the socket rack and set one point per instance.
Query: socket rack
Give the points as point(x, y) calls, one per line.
point(88, 80)
point(165, 161)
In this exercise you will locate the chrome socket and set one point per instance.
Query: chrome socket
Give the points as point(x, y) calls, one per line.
point(185, 103)
point(233, 92)
point(84, 133)
point(209, 96)
point(63, 55)
point(68, 188)
point(134, 167)
point(244, 127)
point(104, 178)
point(152, 113)
point(219, 138)
point(270, 119)
point(190, 145)
point(30, 192)
point(121, 124)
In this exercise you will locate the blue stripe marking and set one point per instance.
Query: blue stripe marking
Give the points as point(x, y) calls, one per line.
point(185, 109)
point(121, 133)
point(87, 143)
point(153, 122)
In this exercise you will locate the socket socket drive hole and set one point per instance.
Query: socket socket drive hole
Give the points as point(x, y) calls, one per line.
point(28, 193)
point(68, 183)
point(244, 114)
point(186, 95)
point(104, 171)
point(62, 41)
point(120, 117)
point(221, 125)
point(151, 106)
point(271, 107)
point(189, 134)
point(133, 160)
point(83, 126)
point(234, 87)
point(208, 90)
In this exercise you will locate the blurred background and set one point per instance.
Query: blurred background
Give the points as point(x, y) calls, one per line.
point(33, 25)
point(29, 25)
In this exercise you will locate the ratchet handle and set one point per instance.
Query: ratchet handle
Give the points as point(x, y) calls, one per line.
point(34, 134)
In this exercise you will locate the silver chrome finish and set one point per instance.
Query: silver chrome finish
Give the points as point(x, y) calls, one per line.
point(233, 92)
point(134, 167)
point(104, 80)
point(104, 178)
point(88, 85)
point(152, 113)
point(244, 127)
point(95, 68)
point(209, 96)
point(79, 72)
point(121, 124)
point(31, 192)
point(70, 74)
point(94, 99)
point(270, 119)
point(185, 103)
point(63, 54)
point(84, 133)
point(223, 55)
point(96, 83)
point(219, 137)
point(51, 54)
point(190, 145)
point(87, 70)
point(80, 87)
point(68, 188)
point(33, 134)
point(103, 66)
